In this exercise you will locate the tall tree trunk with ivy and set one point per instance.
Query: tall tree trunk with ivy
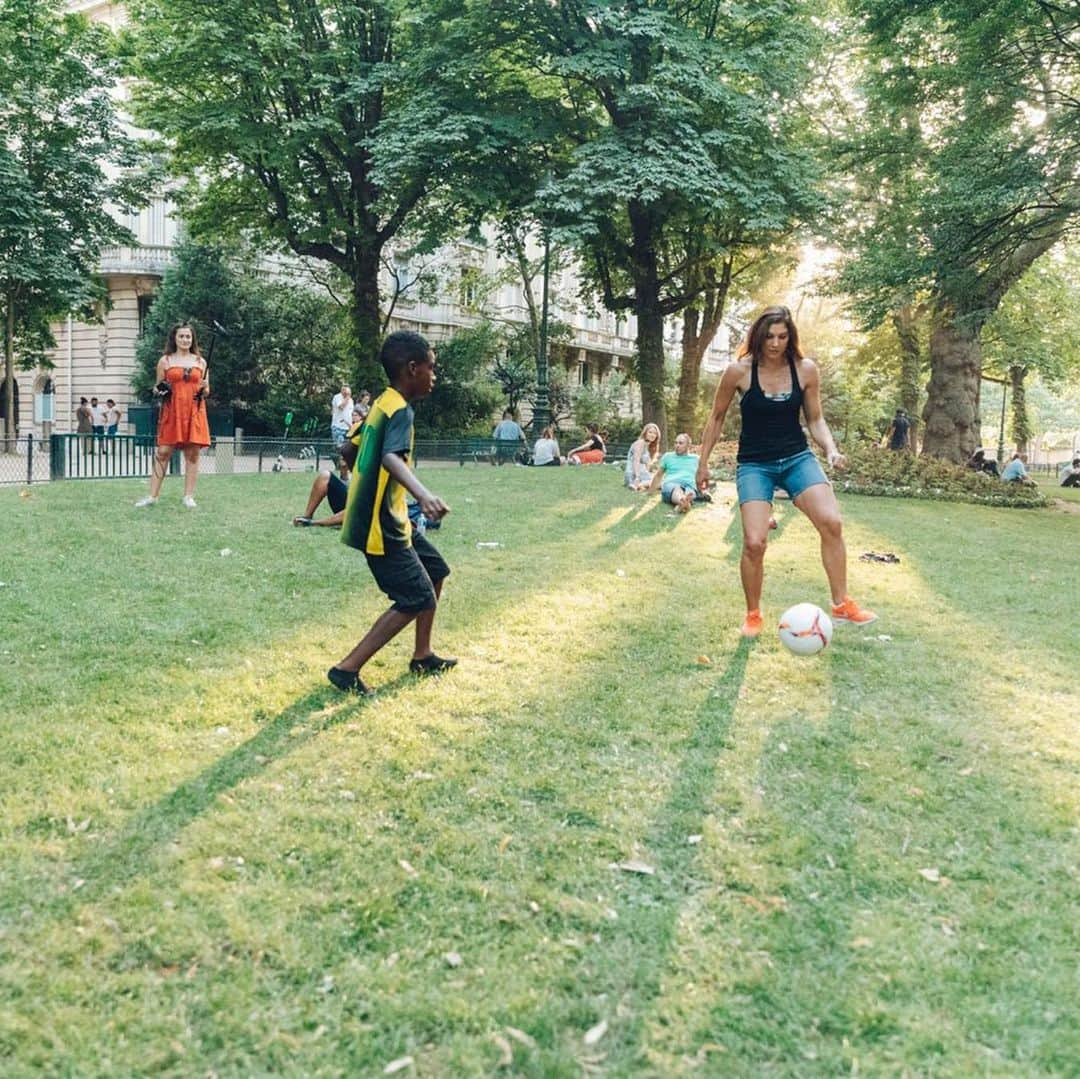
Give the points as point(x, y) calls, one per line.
point(1021, 421)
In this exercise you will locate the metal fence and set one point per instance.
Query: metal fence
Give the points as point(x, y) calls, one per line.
point(73, 456)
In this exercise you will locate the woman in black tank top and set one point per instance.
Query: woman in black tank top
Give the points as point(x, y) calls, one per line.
point(775, 383)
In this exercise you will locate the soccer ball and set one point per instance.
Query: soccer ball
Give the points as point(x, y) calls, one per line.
point(805, 629)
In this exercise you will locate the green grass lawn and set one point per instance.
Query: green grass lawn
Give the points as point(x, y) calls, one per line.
point(211, 864)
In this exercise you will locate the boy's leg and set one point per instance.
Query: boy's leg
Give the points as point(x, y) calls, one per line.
point(425, 620)
point(387, 626)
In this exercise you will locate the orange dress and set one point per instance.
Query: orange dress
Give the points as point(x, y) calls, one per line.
point(183, 419)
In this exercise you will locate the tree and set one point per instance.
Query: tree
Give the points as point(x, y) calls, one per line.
point(678, 117)
point(63, 160)
point(967, 143)
point(465, 396)
point(323, 127)
point(286, 349)
point(1036, 329)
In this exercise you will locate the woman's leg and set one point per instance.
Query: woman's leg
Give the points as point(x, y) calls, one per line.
point(191, 470)
point(159, 467)
point(755, 527)
point(819, 504)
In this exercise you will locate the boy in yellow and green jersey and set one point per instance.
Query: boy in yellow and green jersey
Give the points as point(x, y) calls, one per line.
point(404, 564)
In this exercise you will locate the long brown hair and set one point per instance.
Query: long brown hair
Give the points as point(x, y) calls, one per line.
point(170, 341)
point(754, 343)
point(654, 446)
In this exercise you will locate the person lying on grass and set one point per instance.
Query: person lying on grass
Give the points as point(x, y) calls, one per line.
point(334, 488)
point(405, 565)
point(675, 475)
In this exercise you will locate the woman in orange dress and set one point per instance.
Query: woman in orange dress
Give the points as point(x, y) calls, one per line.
point(183, 385)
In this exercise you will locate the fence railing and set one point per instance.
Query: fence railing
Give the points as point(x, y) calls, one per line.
point(80, 456)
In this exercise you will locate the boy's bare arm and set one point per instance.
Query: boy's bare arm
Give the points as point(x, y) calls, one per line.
point(433, 507)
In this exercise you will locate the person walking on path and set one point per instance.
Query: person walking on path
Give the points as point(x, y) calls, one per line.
point(405, 564)
point(183, 385)
point(775, 383)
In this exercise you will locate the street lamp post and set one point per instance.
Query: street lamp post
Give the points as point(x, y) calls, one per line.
point(541, 403)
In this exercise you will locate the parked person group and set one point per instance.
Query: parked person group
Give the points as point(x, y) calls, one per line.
point(97, 420)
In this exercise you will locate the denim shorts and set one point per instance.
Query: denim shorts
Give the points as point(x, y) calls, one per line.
point(669, 485)
point(757, 480)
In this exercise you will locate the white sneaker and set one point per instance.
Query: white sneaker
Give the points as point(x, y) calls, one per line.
point(190, 502)
point(146, 500)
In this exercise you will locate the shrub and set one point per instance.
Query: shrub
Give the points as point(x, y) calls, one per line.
point(875, 471)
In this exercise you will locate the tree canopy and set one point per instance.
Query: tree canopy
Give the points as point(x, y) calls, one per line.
point(64, 161)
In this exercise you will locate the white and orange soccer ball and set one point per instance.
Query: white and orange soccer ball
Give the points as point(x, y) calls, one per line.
point(805, 629)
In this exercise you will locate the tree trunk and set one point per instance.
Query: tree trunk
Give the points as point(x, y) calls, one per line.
point(952, 406)
point(366, 323)
point(1021, 422)
point(693, 349)
point(907, 330)
point(650, 362)
point(9, 375)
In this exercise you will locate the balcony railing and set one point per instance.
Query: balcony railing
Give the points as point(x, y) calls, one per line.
point(143, 259)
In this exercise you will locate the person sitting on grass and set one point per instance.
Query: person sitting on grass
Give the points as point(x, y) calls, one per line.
point(546, 450)
point(675, 475)
point(1016, 471)
point(1069, 475)
point(643, 453)
point(405, 565)
point(591, 451)
point(979, 462)
point(334, 488)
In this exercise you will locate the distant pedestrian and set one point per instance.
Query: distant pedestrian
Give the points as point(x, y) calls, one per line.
point(84, 424)
point(363, 404)
point(898, 436)
point(112, 418)
point(341, 409)
point(99, 417)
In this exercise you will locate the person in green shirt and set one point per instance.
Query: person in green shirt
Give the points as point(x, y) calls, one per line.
point(405, 565)
point(676, 475)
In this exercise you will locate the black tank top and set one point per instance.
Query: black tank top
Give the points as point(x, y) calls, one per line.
point(770, 427)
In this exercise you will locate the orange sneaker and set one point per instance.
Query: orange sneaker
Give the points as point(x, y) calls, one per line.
point(752, 624)
point(850, 611)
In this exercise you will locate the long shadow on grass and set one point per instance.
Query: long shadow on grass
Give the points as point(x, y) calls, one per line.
point(649, 912)
point(132, 852)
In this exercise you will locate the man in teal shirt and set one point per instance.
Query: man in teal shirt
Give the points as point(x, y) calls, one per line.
point(676, 475)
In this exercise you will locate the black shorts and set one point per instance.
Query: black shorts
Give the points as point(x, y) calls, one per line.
point(337, 491)
point(408, 576)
